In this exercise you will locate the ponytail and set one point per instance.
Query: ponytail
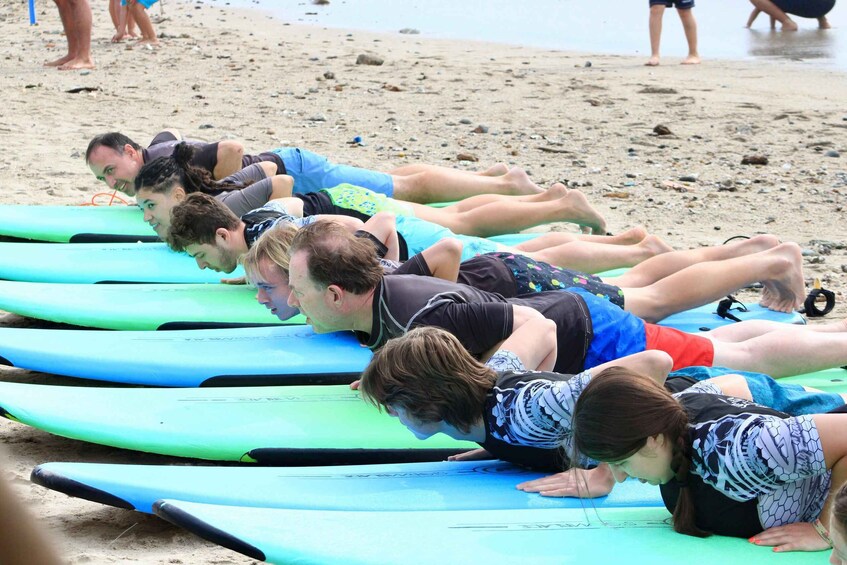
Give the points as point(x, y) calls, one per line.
point(163, 173)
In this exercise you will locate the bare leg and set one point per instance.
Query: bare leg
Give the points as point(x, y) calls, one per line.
point(747, 329)
point(65, 14)
point(590, 257)
point(792, 351)
point(79, 36)
point(774, 12)
point(780, 267)
point(440, 184)
point(495, 170)
point(139, 12)
point(689, 25)
point(823, 23)
point(667, 264)
point(472, 202)
point(656, 14)
point(512, 216)
point(551, 239)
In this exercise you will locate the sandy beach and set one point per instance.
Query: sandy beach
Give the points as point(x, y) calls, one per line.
point(583, 119)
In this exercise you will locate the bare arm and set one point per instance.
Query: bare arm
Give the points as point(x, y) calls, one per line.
point(281, 186)
point(534, 342)
point(383, 226)
point(229, 157)
point(652, 363)
point(444, 259)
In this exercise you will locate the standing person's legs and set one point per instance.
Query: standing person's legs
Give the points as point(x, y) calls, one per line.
point(76, 19)
point(139, 12)
point(65, 10)
point(689, 25)
point(657, 12)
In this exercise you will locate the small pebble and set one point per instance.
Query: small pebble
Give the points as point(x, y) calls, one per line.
point(465, 121)
point(832, 153)
point(688, 178)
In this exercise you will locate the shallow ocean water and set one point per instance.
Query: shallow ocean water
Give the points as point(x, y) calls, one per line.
point(612, 26)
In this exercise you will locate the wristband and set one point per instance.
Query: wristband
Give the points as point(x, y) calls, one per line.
point(822, 532)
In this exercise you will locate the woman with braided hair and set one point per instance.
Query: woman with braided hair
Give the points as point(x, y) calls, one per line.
point(166, 181)
point(724, 465)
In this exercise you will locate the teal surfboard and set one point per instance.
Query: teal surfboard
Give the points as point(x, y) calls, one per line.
point(101, 263)
point(493, 537)
point(211, 357)
point(75, 224)
point(139, 306)
point(288, 425)
point(280, 355)
point(183, 306)
point(443, 485)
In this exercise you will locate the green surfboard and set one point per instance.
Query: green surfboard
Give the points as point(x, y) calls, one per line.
point(139, 306)
point(292, 425)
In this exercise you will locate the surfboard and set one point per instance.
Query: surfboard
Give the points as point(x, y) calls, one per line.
point(281, 355)
point(75, 224)
point(442, 485)
point(494, 537)
point(306, 425)
point(184, 306)
point(102, 263)
point(139, 306)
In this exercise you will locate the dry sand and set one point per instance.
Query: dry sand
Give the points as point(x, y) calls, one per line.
point(229, 74)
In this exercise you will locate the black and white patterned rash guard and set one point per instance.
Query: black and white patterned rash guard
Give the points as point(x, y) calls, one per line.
point(258, 221)
point(748, 455)
point(533, 408)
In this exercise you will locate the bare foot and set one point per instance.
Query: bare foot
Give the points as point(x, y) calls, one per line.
point(77, 64)
point(755, 244)
point(691, 60)
point(520, 183)
point(496, 170)
point(653, 62)
point(654, 245)
point(789, 25)
point(579, 211)
point(555, 191)
point(823, 23)
point(630, 236)
point(785, 289)
point(150, 42)
point(118, 37)
point(58, 62)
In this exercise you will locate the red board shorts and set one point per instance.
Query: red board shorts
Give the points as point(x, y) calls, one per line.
point(687, 350)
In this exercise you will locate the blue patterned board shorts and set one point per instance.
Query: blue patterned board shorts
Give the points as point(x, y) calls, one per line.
point(537, 276)
point(313, 172)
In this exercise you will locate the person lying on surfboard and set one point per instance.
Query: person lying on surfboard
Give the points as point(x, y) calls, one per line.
point(518, 410)
point(483, 215)
point(116, 160)
point(656, 288)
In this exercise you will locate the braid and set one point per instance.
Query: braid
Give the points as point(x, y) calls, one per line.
point(684, 515)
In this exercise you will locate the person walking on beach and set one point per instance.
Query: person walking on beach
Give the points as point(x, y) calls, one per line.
point(689, 25)
point(76, 21)
point(779, 11)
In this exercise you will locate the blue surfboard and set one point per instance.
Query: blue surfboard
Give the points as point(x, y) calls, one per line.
point(639, 536)
point(101, 263)
point(289, 355)
point(443, 485)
